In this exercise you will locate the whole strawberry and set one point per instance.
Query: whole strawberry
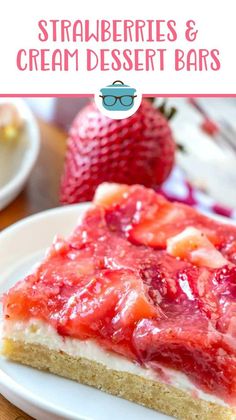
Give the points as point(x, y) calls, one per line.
point(139, 149)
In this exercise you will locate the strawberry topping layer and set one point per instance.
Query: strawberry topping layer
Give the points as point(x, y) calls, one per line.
point(148, 279)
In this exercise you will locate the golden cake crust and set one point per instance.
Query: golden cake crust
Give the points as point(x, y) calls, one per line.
point(151, 394)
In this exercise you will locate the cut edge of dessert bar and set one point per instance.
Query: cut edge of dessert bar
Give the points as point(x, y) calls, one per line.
point(38, 344)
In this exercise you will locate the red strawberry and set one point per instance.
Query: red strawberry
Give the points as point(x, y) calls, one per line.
point(139, 149)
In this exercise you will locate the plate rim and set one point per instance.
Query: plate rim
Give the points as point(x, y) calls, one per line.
point(41, 215)
point(27, 395)
point(6, 381)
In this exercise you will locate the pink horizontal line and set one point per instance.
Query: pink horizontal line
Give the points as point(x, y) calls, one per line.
point(45, 95)
point(191, 95)
point(80, 95)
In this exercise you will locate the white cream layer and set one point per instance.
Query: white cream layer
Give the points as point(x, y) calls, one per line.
point(37, 332)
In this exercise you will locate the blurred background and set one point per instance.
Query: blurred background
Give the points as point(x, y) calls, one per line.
point(33, 135)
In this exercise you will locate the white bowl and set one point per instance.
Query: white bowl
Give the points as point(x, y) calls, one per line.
point(17, 161)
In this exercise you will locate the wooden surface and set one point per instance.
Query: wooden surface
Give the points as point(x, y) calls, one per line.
point(40, 193)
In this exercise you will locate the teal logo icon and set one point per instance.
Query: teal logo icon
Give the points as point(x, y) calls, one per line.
point(118, 96)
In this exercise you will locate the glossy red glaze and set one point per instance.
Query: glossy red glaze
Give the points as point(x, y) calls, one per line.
point(114, 281)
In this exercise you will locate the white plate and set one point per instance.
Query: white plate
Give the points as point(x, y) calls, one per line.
point(42, 395)
point(17, 160)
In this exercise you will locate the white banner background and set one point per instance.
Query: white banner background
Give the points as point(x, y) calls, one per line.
point(215, 22)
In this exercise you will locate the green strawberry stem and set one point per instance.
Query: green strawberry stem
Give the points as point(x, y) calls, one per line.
point(167, 112)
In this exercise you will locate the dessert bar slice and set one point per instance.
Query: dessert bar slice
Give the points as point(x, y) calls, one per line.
point(140, 301)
